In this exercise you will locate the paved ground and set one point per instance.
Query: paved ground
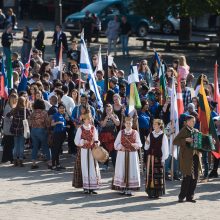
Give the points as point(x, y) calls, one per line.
point(43, 195)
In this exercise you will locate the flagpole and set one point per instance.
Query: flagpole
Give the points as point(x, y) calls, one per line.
point(172, 158)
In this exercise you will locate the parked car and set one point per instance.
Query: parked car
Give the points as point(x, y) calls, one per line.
point(106, 10)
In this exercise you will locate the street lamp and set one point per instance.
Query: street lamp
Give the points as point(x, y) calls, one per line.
point(60, 11)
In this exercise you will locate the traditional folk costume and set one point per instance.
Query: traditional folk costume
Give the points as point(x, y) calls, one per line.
point(157, 153)
point(127, 171)
point(91, 177)
point(189, 164)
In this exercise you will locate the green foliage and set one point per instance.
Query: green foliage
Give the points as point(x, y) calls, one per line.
point(159, 8)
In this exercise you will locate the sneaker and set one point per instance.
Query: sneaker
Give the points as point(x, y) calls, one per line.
point(61, 167)
point(93, 192)
point(86, 191)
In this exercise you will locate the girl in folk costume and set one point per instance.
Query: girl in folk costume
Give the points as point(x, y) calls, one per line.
point(77, 174)
point(157, 152)
point(86, 138)
point(127, 171)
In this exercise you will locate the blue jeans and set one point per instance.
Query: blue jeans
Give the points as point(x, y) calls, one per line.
point(39, 140)
point(205, 163)
point(18, 152)
point(124, 43)
point(168, 165)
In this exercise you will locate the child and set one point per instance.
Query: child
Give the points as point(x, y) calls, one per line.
point(59, 135)
point(157, 152)
point(86, 138)
point(127, 171)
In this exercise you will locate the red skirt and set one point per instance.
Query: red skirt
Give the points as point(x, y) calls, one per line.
point(107, 139)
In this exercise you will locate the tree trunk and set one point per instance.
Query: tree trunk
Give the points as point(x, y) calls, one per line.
point(185, 32)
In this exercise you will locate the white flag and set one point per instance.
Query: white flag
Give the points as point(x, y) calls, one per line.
point(174, 118)
point(85, 67)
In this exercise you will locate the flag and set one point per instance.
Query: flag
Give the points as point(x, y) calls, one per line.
point(179, 98)
point(161, 74)
point(4, 82)
point(24, 78)
point(106, 83)
point(134, 99)
point(207, 125)
point(61, 60)
point(9, 70)
point(216, 88)
point(99, 66)
point(85, 67)
point(174, 117)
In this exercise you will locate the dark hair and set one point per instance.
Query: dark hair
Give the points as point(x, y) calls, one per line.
point(43, 67)
point(65, 89)
point(39, 104)
point(46, 75)
point(36, 75)
point(59, 92)
point(143, 103)
point(21, 93)
point(61, 105)
point(57, 84)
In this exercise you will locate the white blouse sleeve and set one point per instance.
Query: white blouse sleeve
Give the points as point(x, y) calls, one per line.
point(165, 148)
point(78, 141)
point(138, 140)
point(95, 136)
point(117, 144)
point(146, 146)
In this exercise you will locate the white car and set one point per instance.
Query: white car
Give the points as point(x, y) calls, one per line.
point(170, 25)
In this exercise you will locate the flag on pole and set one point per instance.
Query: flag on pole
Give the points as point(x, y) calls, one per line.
point(9, 72)
point(161, 74)
point(61, 60)
point(4, 82)
point(24, 78)
point(174, 117)
point(134, 99)
point(99, 66)
point(85, 67)
point(216, 88)
point(207, 125)
point(179, 98)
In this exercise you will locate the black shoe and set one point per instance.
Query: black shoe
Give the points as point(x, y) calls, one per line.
point(180, 201)
point(86, 191)
point(93, 192)
point(176, 178)
point(49, 167)
point(213, 174)
point(61, 167)
point(191, 200)
point(34, 166)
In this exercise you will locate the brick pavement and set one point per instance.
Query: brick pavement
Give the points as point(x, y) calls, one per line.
point(43, 195)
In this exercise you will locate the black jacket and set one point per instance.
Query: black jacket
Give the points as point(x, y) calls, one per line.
point(7, 39)
point(39, 42)
point(57, 42)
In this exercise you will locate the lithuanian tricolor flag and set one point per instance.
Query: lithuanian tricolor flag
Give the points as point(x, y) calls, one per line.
point(207, 125)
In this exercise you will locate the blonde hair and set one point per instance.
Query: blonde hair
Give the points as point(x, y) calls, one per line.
point(86, 116)
point(182, 61)
point(128, 119)
point(118, 96)
point(160, 123)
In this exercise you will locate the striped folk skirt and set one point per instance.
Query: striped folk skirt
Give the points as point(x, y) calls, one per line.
point(155, 181)
point(77, 171)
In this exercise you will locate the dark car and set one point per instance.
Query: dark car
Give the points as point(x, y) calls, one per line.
point(106, 10)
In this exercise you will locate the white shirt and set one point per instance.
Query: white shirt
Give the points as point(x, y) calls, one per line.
point(118, 144)
point(47, 105)
point(55, 72)
point(164, 147)
point(69, 104)
point(80, 142)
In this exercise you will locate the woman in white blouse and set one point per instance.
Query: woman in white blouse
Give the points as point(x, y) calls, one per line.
point(127, 171)
point(157, 152)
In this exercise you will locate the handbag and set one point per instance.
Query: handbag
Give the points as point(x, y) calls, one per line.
point(26, 126)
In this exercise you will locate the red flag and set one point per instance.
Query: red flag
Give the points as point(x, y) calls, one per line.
point(179, 98)
point(216, 88)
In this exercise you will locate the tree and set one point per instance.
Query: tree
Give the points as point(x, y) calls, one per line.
point(187, 9)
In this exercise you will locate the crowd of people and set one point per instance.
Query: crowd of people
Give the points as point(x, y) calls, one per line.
point(60, 106)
